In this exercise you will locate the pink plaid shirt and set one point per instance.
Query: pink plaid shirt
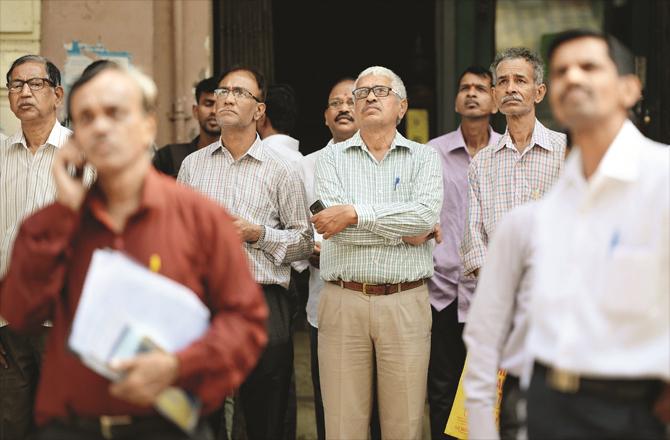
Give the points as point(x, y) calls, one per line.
point(500, 178)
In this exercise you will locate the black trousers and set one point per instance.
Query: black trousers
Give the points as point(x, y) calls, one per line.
point(589, 414)
point(512, 409)
point(447, 356)
point(163, 431)
point(264, 393)
point(375, 427)
point(18, 383)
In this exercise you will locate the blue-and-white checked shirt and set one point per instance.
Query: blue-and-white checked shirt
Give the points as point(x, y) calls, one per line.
point(262, 189)
point(398, 196)
point(500, 178)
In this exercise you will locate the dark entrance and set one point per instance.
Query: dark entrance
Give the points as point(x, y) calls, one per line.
point(316, 43)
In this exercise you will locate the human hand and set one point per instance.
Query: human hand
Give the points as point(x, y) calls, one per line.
point(146, 376)
point(335, 219)
point(418, 240)
point(315, 258)
point(70, 191)
point(4, 361)
point(247, 231)
point(662, 405)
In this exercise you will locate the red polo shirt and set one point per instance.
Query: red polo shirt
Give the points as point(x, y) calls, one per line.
point(197, 246)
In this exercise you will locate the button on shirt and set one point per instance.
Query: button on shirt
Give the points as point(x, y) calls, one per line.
point(262, 189)
point(26, 185)
point(398, 196)
point(500, 179)
point(495, 334)
point(197, 246)
point(601, 298)
point(448, 282)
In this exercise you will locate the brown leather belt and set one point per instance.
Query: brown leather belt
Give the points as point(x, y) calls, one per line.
point(379, 289)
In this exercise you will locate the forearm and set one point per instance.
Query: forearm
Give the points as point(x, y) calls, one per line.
point(37, 271)
point(396, 220)
point(286, 245)
point(360, 237)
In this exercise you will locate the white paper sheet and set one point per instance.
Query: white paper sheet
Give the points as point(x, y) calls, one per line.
point(120, 293)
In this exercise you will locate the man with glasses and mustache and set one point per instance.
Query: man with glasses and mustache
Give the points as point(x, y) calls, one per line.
point(26, 185)
point(382, 195)
point(267, 200)
point(169, 158)
point(521, 167)
point(339, 119)
point(450, 291)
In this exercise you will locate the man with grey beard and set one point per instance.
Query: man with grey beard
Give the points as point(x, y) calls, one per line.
point(521, 167)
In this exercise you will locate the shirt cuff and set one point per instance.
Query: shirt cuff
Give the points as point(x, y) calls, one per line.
point(482, 424)
point(366, 216)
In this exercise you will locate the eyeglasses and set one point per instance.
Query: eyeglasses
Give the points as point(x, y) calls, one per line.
point(379, 91)
point(337, 103)
point(238, 92)
point(34, 83)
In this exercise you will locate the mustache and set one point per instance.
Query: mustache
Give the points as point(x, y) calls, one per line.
point(512, 97)
point(471, 101)
point(344, 115)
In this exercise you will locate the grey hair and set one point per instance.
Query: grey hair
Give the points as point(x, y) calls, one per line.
point(520, 52)
point(52, 71)
point(396, 82)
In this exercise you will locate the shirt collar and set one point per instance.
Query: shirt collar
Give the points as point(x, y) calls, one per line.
point(282, 140)
point(458, 141)
point(398, 141)
point(57, 137)
point(620, 162)
point(540, 138)
point(257, 151)
point(152, 197)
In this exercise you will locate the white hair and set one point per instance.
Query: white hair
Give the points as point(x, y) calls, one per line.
point(396, 83)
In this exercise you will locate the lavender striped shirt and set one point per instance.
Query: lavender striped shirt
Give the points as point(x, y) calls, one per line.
point(448, 282)
point(500, 179)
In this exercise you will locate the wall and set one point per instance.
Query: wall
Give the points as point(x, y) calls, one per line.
point(146, 29)
point(19, 35)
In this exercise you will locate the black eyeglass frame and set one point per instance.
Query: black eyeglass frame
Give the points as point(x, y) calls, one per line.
point(13, 88)
point(384, 92)
point(237, 92)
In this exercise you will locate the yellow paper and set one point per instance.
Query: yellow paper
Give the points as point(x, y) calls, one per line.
point(457, 424)
point(417, 125)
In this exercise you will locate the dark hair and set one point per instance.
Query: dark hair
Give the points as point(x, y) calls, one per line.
point(476, 70)
point(524, 53)
point(258, 76)
point(207, 85)
point(622, 57)
point(281, 107)
point(96, 65)
point(143, 82)
point(52, 71)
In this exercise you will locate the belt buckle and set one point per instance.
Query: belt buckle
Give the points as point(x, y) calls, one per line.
point(563, 381)
point(108, 422)
point(365, 285)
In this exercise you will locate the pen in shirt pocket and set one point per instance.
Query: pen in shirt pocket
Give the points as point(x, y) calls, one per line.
point(396, 183)
point(614, 241)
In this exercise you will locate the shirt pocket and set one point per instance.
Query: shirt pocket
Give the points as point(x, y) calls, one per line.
point(630, 282)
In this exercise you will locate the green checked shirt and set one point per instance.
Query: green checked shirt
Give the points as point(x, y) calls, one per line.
point(399, 196)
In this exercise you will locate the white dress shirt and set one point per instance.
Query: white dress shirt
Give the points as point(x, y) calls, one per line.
point(497, 325)
point(285, 147)
point(600, 304)
point(26, 184)
point(308, 167)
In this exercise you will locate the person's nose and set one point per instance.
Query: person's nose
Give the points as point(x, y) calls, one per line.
point(25, 90)
point(574, 75)
point(471, 92)
point(511, 87)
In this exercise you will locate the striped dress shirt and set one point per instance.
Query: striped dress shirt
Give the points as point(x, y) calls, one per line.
point(262, 189)
point(26, 185)
point(500, 179)
point(398, 196)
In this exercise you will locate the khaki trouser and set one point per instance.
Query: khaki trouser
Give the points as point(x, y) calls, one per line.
point(357, 330)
